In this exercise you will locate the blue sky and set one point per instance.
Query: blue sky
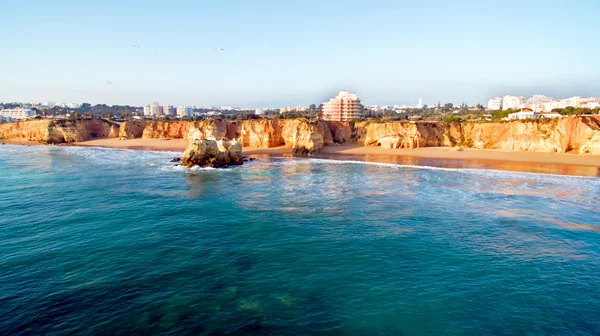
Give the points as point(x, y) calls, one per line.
point(296, 52)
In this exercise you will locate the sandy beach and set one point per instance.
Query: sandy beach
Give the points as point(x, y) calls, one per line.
point(179, 145)
point(557, 163)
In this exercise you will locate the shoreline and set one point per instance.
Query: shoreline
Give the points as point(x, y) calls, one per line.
point(554, 163)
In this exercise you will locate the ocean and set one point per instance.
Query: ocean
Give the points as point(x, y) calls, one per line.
point(117, 242)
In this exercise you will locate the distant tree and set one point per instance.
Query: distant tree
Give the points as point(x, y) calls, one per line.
point(450, 119)
point(480, 107)
point(499, 115)
point(312, 107)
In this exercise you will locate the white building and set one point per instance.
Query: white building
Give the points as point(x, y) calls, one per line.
point(420, 105)
point(293, 109)
point(512, 102)
point(152, 110)
point(185, 111)
point(532, 115)
point(168, 110)
point(495, 104)
point(522, 115)
point(550, 115)
point(18, 113)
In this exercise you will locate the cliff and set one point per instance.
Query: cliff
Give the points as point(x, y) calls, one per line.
point(58, 131)
point(579, 135)
point(132, 129)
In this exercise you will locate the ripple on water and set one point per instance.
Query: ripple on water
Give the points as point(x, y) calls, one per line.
point(101, 241)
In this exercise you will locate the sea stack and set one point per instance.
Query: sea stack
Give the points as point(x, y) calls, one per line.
point(212, 153)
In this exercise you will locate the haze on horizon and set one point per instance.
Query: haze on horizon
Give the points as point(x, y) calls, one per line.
point(273, 53)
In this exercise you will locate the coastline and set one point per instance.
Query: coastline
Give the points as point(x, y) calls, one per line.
point(537, 162)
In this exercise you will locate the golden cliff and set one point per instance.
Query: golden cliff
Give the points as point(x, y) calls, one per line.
point(58, 131)
point(579, 135)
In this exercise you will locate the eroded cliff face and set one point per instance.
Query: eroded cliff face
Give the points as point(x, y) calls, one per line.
point(306, 137)
point(132, 129)
point(408, 135)
point(34, 130)
point(58, 131)
point(564, 135)
point(261, 133)
point(166, 130)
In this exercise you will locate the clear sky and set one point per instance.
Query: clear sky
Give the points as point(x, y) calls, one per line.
point(292, 52)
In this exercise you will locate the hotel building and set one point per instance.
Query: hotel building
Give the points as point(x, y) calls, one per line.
point(18, 113)
point(345, 107)
point(512, 102)
point(495, 104)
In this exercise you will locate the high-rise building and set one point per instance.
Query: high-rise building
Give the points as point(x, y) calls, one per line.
point(512, 102)
point(420, 103)
point(155, 109)
point(185, 111)
point(168, 110)
point(495, 104)
point(344, 107)
point(152, 110)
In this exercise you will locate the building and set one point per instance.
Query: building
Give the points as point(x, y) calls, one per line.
point(293, 109)
point(550, 115)
point(185, 111)
point(18, 113)
point(495, 104)
point(168, 110)
point(152, 110)
point(345, 107)
point(532, 115)
point(420, 105)
point(512, 102)
point(522, 115)
point(573, 101)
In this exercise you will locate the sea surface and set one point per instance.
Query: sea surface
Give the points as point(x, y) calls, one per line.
point(117, 242)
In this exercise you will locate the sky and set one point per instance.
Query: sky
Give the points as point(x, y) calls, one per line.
point(258, 53)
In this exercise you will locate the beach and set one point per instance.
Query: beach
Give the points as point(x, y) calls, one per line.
point(179, 145)
point(560, 163)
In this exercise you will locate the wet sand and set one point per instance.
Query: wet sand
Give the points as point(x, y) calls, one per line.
point(554, 163)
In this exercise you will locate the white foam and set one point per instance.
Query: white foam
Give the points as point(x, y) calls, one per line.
point(497, 173)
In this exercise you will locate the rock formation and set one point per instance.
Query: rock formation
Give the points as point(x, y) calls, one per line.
point(132, 129)
point(261, 133)
point(579, 135)
point(166, 130)
point(212, 153)
point(58, 131)
point(306, 137)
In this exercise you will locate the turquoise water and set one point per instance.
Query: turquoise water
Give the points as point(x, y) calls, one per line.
point(103, 241)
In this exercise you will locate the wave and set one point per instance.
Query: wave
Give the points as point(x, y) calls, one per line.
point(489, 172)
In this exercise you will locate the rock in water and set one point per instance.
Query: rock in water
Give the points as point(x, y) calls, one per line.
point(212, 153)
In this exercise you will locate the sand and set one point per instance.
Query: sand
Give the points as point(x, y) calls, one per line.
point(558, 163)
point(179, 145)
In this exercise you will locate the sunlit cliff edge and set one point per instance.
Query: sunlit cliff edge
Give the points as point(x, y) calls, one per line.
point(578, 135)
